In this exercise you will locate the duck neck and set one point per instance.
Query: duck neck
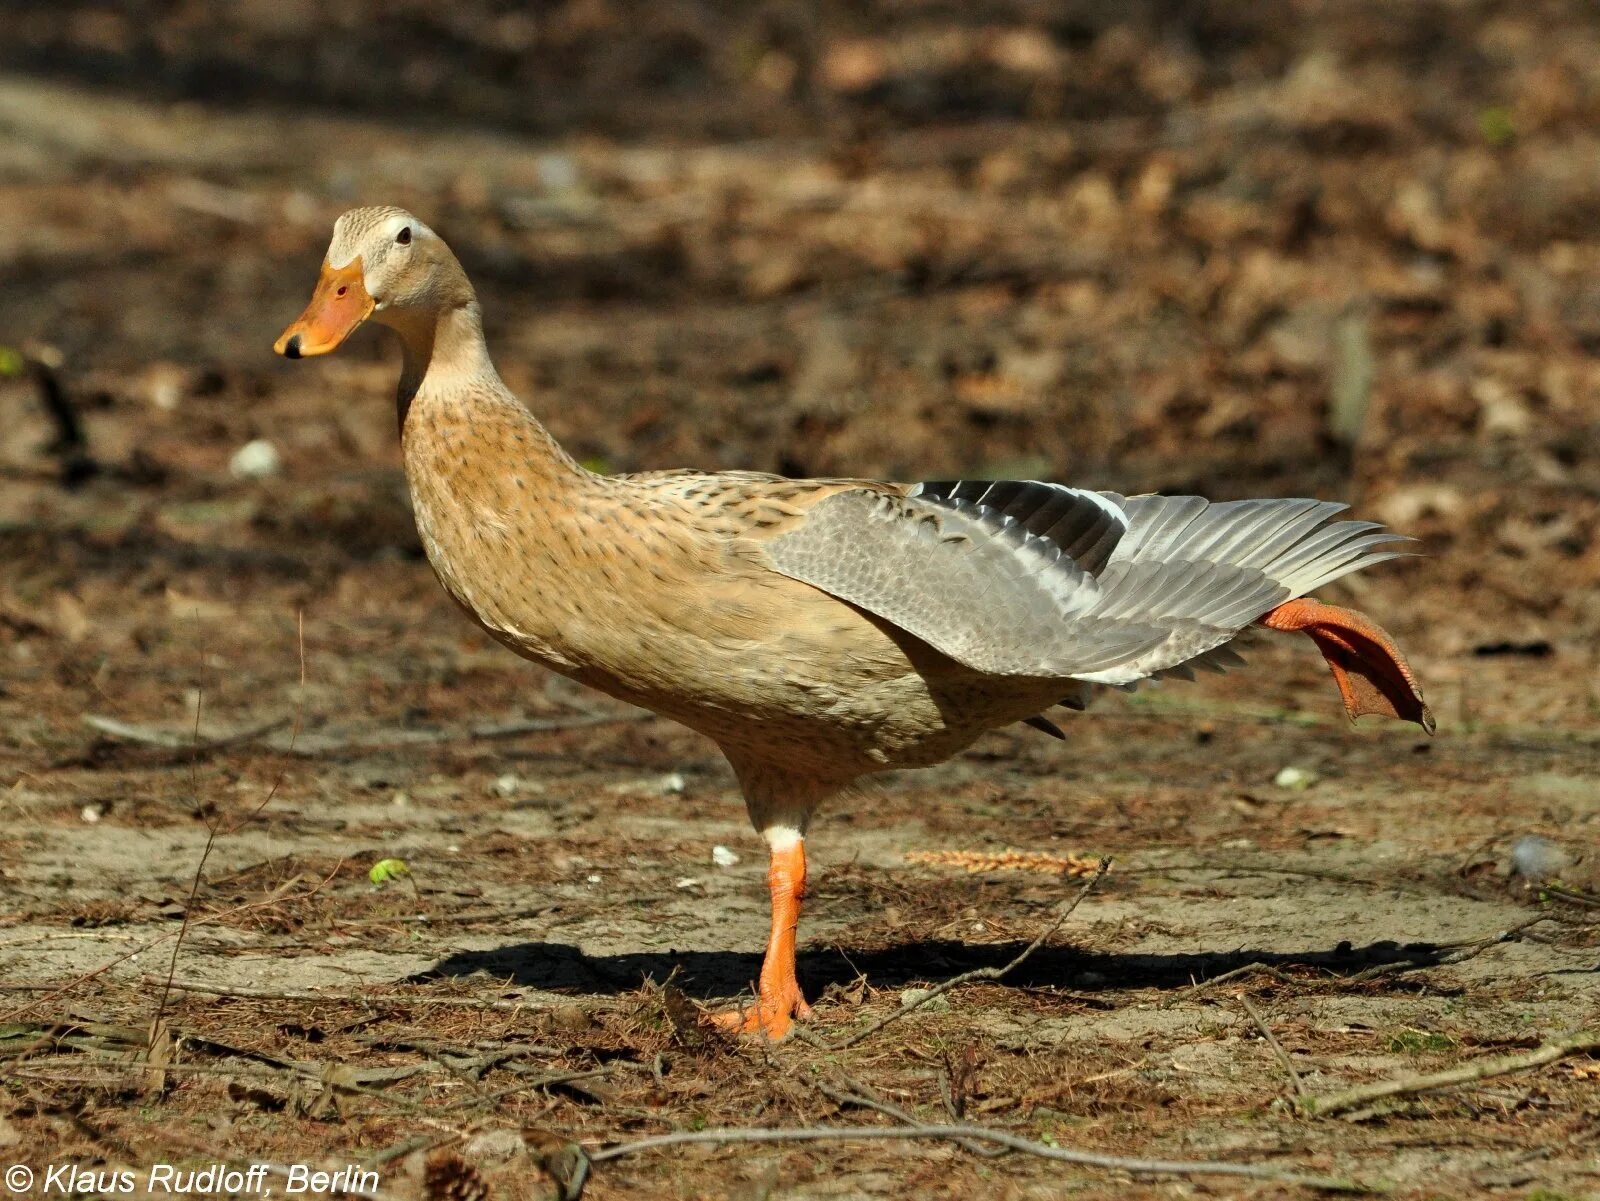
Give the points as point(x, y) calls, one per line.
point(443, 352)
point(446, 371)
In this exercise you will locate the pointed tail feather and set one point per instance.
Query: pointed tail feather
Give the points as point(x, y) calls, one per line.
point(1372, 675)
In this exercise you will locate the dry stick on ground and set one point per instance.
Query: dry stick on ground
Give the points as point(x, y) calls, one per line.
point(982, 973)
point(174, 748)
point(214, 827)
point(70, 985)
point(1458, 953)
point(305, 746)
point(1298, 1084)
point(393, 1002)
point(1238, 973)
point(1478, 1069)
point(1088, 1159)
point(862, 1097)
point(1575, 895)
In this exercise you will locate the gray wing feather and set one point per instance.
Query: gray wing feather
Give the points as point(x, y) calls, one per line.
point(1205, 571)
point(968, 580)
point(1086, 525)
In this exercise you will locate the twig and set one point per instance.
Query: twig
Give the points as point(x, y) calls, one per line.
point(1426, 956)
point(250, 994)
point(1277, 1047)
point(981, 973)
point(525, 1086)
point(1091, 1159)
point(1574, 895)
point(1458, 952)
point(310, 998)
point(1238, 973)
point(1478, 1069)
point(863, 1098)
point(308, 746)
point(214, 827)
point(420, 1142)
point(179, 748)
point(204, 920)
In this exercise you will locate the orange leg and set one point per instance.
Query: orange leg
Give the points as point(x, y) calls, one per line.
point(1372, 675)
point(779, 1000)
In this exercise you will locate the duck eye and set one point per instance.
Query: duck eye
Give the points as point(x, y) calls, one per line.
point(404, 236)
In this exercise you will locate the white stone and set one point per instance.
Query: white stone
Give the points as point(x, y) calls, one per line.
point(256, 460)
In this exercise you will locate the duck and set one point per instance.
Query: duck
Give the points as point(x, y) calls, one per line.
point(820, 631)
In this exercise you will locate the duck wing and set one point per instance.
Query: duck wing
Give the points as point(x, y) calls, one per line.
point(975, 571)
point(1024, 578)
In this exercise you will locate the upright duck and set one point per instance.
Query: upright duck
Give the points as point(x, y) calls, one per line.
point(819, 630)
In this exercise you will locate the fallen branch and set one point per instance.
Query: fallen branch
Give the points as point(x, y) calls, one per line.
point(1238, 973)
point(1423, 956)
point(181, 748)
point(863, 1099)
point(1453, 952)
point(1089, 1159)
point(1478, 1069)
point(203, 920)
point(1277, 1047)
point(184, 746)
point(982, 973)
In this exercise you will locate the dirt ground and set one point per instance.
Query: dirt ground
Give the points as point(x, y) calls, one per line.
point(1349, 250)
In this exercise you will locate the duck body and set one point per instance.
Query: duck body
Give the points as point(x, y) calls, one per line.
point(819, 630)
point(653, 588)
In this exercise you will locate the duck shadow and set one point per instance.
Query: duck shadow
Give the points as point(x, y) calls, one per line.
point(562, 967)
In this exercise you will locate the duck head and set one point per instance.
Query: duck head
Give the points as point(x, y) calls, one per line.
point(383, 264)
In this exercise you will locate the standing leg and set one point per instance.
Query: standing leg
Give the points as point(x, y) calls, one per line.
point(778, 1001)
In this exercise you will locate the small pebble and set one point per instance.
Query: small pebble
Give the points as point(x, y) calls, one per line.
point(690, 882)
point(673, 783)
point(256, 460)
point(1297, 779)
point(723, 857)
point(91, 813)
point(594, 879)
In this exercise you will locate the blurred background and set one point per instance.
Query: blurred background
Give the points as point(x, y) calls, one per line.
point(1345, 248)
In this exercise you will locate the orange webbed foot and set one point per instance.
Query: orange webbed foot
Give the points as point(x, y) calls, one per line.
point(771, 1015)
point(1372, 675)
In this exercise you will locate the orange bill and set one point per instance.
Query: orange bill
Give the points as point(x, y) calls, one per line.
point(339, 304)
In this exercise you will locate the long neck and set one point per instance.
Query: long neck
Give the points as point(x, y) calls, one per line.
point(446, 369)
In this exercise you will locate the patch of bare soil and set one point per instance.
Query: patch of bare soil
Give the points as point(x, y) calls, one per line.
point(1349, 252)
